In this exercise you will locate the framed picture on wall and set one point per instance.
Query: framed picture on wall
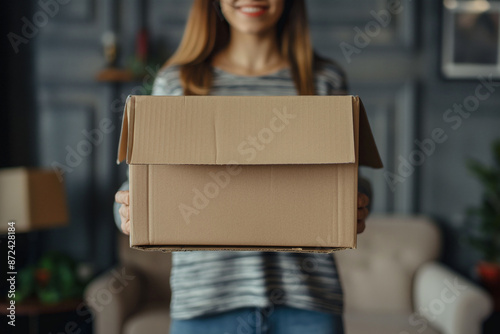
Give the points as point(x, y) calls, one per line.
point(471, 39)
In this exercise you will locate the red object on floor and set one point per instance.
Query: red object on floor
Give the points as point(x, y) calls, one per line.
point(490, 277)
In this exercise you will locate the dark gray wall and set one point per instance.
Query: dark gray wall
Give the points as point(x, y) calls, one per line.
point(16, 91)
point(446, 189)
point(70, 104)
point(397, 74)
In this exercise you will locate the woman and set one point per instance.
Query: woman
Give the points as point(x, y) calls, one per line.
point(248, 47)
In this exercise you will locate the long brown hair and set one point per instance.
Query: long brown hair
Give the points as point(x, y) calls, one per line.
point(207, 32)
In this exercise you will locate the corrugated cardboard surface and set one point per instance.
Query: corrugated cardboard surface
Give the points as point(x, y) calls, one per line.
point(245, 173)
point(265, 205)
point(33, 198)
point(239, 130)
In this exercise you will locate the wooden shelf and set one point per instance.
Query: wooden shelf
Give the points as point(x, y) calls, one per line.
point(115, 75)
point(35, 307)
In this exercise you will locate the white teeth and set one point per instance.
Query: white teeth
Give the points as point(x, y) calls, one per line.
point(251, 9)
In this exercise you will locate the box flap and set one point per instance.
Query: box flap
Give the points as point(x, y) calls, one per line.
point(123, 143)
point(368, 152)
point(237, 130)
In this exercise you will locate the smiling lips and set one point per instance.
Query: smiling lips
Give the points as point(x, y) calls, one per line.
point(253, 11)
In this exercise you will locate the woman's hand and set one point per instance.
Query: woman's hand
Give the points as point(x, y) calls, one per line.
point(363, 211)
point(121, 197)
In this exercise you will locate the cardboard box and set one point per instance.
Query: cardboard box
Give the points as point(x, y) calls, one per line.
point(245, 172)
point(33, 198)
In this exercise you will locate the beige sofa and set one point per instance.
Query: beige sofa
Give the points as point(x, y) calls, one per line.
point(138, 304)
point(392, 283)
point(389, 277)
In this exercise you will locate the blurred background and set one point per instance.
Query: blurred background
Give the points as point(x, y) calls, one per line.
point(425, 70)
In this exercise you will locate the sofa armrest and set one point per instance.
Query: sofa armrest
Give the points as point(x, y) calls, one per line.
point(112, 297)
point(448, 301)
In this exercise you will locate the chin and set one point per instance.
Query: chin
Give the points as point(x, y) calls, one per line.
point(252, 29)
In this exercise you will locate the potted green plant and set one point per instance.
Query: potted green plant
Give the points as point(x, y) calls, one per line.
point(484, 232)
point(52, 280)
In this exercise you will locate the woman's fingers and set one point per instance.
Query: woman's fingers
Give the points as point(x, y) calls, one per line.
point(122, 197)
point(124, 211)
point(363, 213)
point(361, 226)
point(363, 200)
point(125, 218)
point(126, 226)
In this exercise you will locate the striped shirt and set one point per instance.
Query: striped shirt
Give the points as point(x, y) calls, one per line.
point(208, 282)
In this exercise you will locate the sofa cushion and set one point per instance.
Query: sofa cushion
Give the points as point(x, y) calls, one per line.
point(152, 320)
point(154, 268)
point(362, 323)
point(378, 275)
